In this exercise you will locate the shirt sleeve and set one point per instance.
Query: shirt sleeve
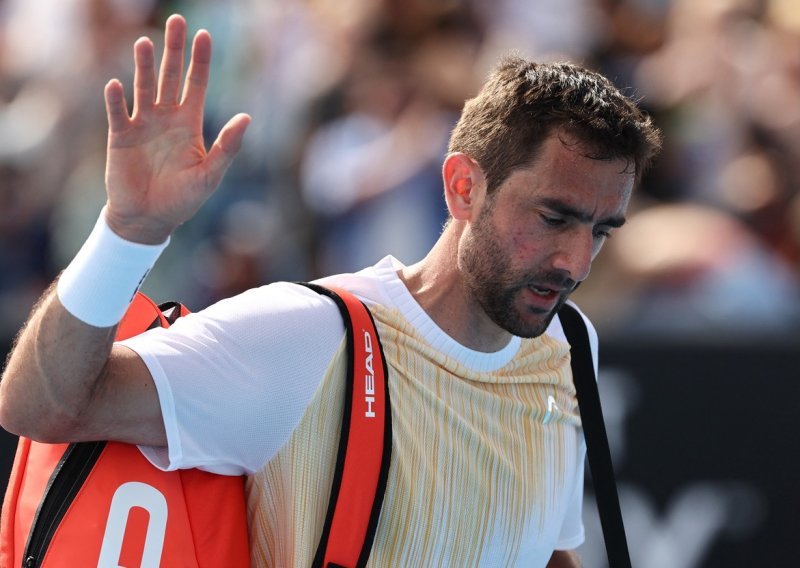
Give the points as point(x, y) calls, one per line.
point(234, 380)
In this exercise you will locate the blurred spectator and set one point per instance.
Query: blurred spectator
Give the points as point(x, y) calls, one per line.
point(372, 176)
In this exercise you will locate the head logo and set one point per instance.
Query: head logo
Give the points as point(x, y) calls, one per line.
point(369, 377)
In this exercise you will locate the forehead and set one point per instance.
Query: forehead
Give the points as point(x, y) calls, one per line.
point(564, 170)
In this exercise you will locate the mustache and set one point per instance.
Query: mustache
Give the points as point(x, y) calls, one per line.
point(553, 280)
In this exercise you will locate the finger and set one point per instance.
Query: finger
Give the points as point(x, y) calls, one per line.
point(116, 106)
point(169, 78)
point(194, 90)
point(225, 147)
point(144, 78)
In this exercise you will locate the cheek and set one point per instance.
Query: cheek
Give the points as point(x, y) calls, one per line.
point(525, 246)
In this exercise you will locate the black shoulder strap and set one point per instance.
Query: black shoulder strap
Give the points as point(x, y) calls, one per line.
point(365, 443)
point(594, 430)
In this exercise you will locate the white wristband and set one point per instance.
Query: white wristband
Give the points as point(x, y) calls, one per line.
point(100, 282)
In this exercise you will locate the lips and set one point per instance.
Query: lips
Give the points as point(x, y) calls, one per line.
point(541, 297)
point(542, 291)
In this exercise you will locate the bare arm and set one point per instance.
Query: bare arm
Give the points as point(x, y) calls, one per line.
point(64, 381)
point(564, 559)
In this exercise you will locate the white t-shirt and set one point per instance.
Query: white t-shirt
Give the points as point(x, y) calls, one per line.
point(236, 380)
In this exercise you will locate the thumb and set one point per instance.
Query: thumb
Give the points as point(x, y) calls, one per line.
point(225, 147)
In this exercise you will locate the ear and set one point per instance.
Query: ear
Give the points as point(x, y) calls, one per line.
point(464, 186)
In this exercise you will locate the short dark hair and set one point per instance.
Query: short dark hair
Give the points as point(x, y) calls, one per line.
point(523, 102)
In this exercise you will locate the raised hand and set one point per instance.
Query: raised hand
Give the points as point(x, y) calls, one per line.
point(158, 172)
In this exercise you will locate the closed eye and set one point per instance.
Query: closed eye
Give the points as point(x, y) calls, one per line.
point(556, 213)
point(553, 221)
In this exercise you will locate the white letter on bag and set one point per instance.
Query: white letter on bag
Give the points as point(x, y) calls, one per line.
point(127, 496)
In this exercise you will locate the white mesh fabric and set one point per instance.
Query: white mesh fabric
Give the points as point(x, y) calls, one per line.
point(234, 379)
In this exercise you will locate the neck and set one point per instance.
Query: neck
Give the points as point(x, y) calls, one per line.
point(437, 284)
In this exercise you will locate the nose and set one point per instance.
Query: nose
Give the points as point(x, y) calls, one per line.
point(575, 253)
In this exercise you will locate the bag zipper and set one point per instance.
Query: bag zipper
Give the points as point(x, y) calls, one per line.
point(69, 475)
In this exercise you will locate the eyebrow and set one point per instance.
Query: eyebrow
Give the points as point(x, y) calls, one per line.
point(565, 210)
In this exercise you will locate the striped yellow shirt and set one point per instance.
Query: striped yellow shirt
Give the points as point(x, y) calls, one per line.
point(485, 466)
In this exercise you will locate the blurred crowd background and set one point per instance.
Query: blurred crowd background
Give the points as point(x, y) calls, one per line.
point(352, 102)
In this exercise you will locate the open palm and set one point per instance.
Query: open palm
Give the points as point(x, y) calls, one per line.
point(158, 172)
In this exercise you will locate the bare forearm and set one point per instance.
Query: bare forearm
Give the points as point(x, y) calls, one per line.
point(65, 380)
point(52, 371)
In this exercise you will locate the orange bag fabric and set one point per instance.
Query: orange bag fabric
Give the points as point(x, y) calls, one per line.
point(125, 512)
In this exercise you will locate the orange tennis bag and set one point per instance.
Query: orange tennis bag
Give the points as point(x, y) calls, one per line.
point(103, 504)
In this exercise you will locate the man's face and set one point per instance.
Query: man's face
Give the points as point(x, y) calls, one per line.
point(535, 238)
